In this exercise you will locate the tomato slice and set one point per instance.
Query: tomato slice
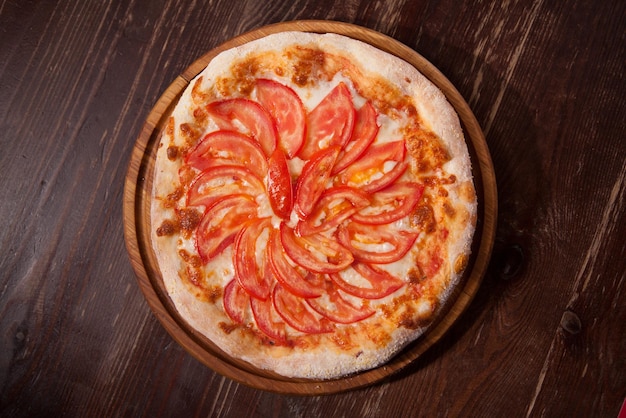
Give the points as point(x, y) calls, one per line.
point(285, 273)
point(359, 238)
point(316, 253)
point(334, 206)
point(365, 131)
point(252, 119)
point(236, 302)
point(268, 320)
point(312, 181)
point(251, 268)
point(381, 282)
point(216, 182)
point(391, 204)
point(221, 222)
point(279, 187)
point(295, 312)
point(228, 148)
point(337, 309)
point(369, 171)
point(287, 111)
point(330, 123)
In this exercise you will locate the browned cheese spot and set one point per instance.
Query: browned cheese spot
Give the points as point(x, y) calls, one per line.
point(415, 276)
point(410, 321)
point(172, 152)
point(194, 276)
point(189, 133)
point(228, 328)
point(171, 199)
point(344, 339)
point(186, 174)
point(188, 220)
point(213, 293)
point(423, 217)
point(426, 148)
point(191, 259)
point(198, 96)
point(201, 117)
point(448, 209)
point(169, 128)
point(467, 192)
point(308, 65)
point(377, 335)
point(167, 228)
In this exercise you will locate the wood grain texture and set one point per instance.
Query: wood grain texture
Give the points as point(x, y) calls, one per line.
point(544, 335)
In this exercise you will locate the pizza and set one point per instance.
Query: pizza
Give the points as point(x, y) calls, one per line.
point(313, 206)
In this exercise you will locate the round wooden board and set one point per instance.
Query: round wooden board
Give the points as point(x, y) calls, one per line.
point(137, 222)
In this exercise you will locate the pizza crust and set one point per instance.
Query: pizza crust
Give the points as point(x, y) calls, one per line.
point(324, 362)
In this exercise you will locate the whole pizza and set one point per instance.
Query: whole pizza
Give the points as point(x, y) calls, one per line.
point(313, 205)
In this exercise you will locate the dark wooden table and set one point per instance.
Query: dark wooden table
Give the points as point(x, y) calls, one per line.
point(545, 334)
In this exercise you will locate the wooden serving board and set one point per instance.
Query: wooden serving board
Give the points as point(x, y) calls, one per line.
point(137, 222)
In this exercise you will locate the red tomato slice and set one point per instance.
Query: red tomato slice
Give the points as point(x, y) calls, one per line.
point(279, 187)
point(252, 117)
point(251, 269)
point(330, 123)
point(381, 282)
point(337, 309)
point(375, 236)
point(288, 112)
point(391, 204)
point(316, 252)
point(365, 131)
point(368, 172)
point(221, 222)
point(312, 181)
point(285, 273)
point(294, 311)
point(268, 320)
point(236, 302)
point(228, 148)
point(214, 183)
point(334, 206)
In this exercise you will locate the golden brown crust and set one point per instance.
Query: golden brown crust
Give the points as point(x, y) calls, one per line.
point(410, 107)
